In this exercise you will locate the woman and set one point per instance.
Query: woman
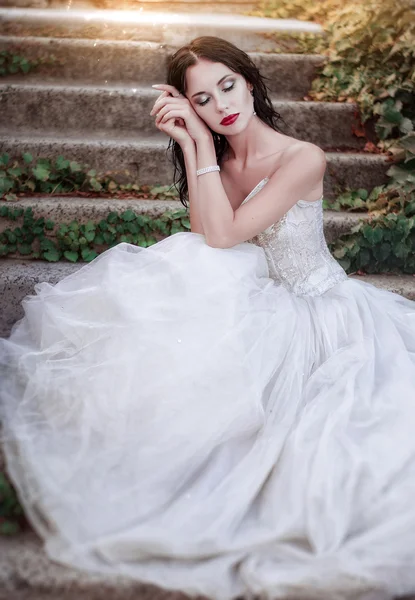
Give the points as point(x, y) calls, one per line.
point(225, 412)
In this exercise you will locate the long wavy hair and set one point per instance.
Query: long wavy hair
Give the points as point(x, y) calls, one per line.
point(219, 50)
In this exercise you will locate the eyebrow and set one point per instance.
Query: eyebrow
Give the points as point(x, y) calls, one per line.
point(219, 82)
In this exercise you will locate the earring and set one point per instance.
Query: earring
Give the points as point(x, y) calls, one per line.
point(254, 113)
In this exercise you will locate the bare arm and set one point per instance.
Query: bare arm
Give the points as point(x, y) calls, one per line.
point(303, 169)
point(189, 152)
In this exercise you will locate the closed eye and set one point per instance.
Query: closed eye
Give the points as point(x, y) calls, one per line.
point(228, 89)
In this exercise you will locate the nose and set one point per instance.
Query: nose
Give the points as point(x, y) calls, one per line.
point(221, 104)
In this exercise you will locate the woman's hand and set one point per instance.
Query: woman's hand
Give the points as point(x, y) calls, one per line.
point(176, 116)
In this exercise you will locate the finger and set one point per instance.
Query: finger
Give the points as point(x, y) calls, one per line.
point(169, 101)
point(172, 114)
point(168, 88)
point(165, 109)
point(162, 97)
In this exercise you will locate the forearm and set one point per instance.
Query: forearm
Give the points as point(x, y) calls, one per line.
point(215, 209)
point(189, 153)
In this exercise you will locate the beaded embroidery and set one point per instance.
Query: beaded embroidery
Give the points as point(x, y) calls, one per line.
point(296, 249)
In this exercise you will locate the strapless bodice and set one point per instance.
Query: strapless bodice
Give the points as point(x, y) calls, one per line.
point(296, 249)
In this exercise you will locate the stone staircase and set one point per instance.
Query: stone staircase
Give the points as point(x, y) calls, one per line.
point(90, 101)
point(92, 105)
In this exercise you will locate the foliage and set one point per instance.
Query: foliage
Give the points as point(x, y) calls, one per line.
point(384, 244)
point(11, 513)
point(393, 197)
point(44, 239)
point(370, 59)
point(13, 64)
point(63, 176)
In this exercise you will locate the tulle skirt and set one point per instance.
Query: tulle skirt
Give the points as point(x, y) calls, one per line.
point(175, 415)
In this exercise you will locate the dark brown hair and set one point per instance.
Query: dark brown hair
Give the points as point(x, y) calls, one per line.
point(219, 50)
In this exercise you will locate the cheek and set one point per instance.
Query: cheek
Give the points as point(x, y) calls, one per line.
point(204, 112)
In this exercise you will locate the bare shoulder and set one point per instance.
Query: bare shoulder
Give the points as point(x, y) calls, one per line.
point(300, 149)
point(310, 161)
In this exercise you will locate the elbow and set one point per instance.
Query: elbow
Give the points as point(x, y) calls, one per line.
point(217, 242)
point(223, 238)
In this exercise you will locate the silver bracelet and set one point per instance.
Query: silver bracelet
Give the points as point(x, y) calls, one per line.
point(207, 170)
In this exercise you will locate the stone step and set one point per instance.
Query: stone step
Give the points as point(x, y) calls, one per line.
point(144, 63)
point(26, 573)
point(171, 28)
point(216, 6)
point(66, 209)
point(146, 159)
point(125, 110)
point(18, 278)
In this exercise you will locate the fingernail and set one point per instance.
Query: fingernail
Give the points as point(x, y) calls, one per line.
point(155, 85)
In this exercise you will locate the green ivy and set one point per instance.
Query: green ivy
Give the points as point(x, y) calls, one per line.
point(394, 197)
point(42, 238)
point(61, 176)
point(370, 59)
point(12, 518)
point(385, 244)
point(13, 64)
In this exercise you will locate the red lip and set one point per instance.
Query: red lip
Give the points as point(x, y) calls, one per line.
point(230, 119)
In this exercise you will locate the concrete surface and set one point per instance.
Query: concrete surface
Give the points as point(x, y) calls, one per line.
point(120, 62)
point(171, 28)
point(146, 158)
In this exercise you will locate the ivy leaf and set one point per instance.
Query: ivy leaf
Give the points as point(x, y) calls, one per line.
point(11, 197)
point(368, 233)
point(51, 255)
point(345, 263)
point(24, 249)
point(406, 125)
point(41, 173)
point(75, 167)
point(364, 257)
point(392, 115)
point(99, 239)
point(186, 223)
point(71, 255)
point(408, 143)
point(377, 235)
point(401, 250)
point(95, 185)
point(128, 215)
point(340, 252)
point(88, 254)
point(112, 217)
point(132, 227)
point(25, 65)
point(6, 184)
point(61, 163)
point(385, 251)
point(175, 228)
point(27, 157)
point(16, 172)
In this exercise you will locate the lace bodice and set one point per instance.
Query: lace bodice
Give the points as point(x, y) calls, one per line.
point(296, 250)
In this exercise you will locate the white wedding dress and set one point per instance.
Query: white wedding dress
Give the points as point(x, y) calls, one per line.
point(228, 422)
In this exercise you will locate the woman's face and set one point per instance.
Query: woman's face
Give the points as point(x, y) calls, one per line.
point(215, 92)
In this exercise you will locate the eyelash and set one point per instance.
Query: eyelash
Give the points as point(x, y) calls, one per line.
point(224, 89)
